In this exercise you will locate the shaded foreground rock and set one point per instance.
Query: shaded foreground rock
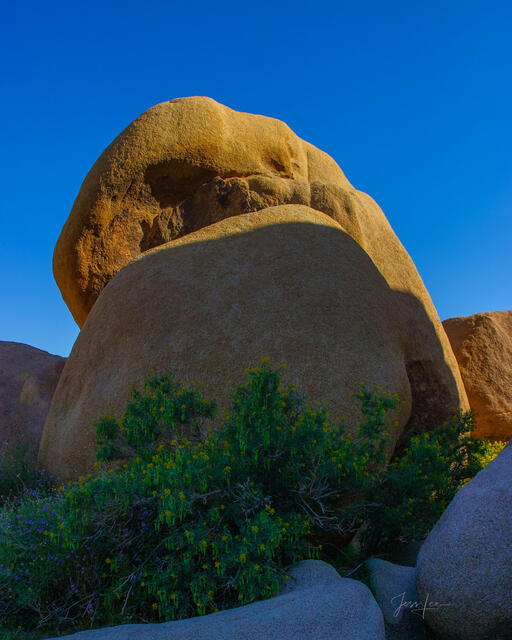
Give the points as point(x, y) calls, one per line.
point(482, 344)
point(185, 164)
point(28, 378)
point(316, 605)
point(389, 582)
point(465, 564)
point(394, 589)
point(285, 283)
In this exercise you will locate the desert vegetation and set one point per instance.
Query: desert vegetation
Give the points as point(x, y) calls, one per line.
point(185, 515)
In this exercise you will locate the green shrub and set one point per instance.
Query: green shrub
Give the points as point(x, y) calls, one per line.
point(417, 487)
point(19, 474)
point(181, 519)
point(192, 523)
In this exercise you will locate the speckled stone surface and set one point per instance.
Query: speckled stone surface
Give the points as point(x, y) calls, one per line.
point(316, 604)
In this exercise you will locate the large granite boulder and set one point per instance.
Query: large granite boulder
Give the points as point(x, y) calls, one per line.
point(285, 283)
point(185, 164)
point(28, 377)
point(317, 604)
point(482, 344)
point(464, 570)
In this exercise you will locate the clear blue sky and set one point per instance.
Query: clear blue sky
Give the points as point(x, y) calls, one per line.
point(412, 99)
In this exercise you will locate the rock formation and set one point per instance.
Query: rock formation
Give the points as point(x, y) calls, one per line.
point(285, 283)
point(28, 377)
point(482, 344)
point(188, 163)
point(465, 564)
point(317, 604)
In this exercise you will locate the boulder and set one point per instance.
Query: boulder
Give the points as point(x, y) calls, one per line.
point(389, 582)
point(28, 377)
point(285, 283)
point(317, 604)
point(188, 163)
point(464, 570)
point(482, 344)
point(394, 588)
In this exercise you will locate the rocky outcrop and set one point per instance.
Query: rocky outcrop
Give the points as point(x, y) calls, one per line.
point(464, 569)
point(316, 605)
point(482, 344)
point(285, 283)
point(188, 163)
point(28, 377)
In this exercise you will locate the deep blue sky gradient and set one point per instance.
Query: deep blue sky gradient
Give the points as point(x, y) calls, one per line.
point(413, 100)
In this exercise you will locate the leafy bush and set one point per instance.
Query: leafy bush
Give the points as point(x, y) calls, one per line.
point(181, 519)
point(417, 488)
point(190, 521)
point(20, 475)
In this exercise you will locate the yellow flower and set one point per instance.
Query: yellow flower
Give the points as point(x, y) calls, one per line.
point(254, 528)
point(262, 547)
point(243, 557)
point(217, 564)
point(154, 605)
point(108, 560)
point(173, 596)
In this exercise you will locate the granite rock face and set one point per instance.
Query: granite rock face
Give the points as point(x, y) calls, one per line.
point(482, 344)
point(28, 378)
point(316, 605)
point(465, 564)
point(191, 162)
point(285, 283)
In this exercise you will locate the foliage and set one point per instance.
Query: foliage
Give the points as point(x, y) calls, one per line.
point(417, 488)
point(190, 520)
point(19, 474)
point(182, 519)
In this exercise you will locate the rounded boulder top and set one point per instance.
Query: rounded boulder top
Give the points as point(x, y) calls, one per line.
point(180, 166)
point(186, 164)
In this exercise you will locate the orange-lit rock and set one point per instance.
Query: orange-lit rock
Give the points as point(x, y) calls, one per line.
point(482, 344)
point(286, 282)
point(188, 163)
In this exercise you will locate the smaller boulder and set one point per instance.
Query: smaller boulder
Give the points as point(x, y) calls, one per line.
point(482, 345)
point(394, 589)
point(464, 569)
point(316, 604)
point(28, 377)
